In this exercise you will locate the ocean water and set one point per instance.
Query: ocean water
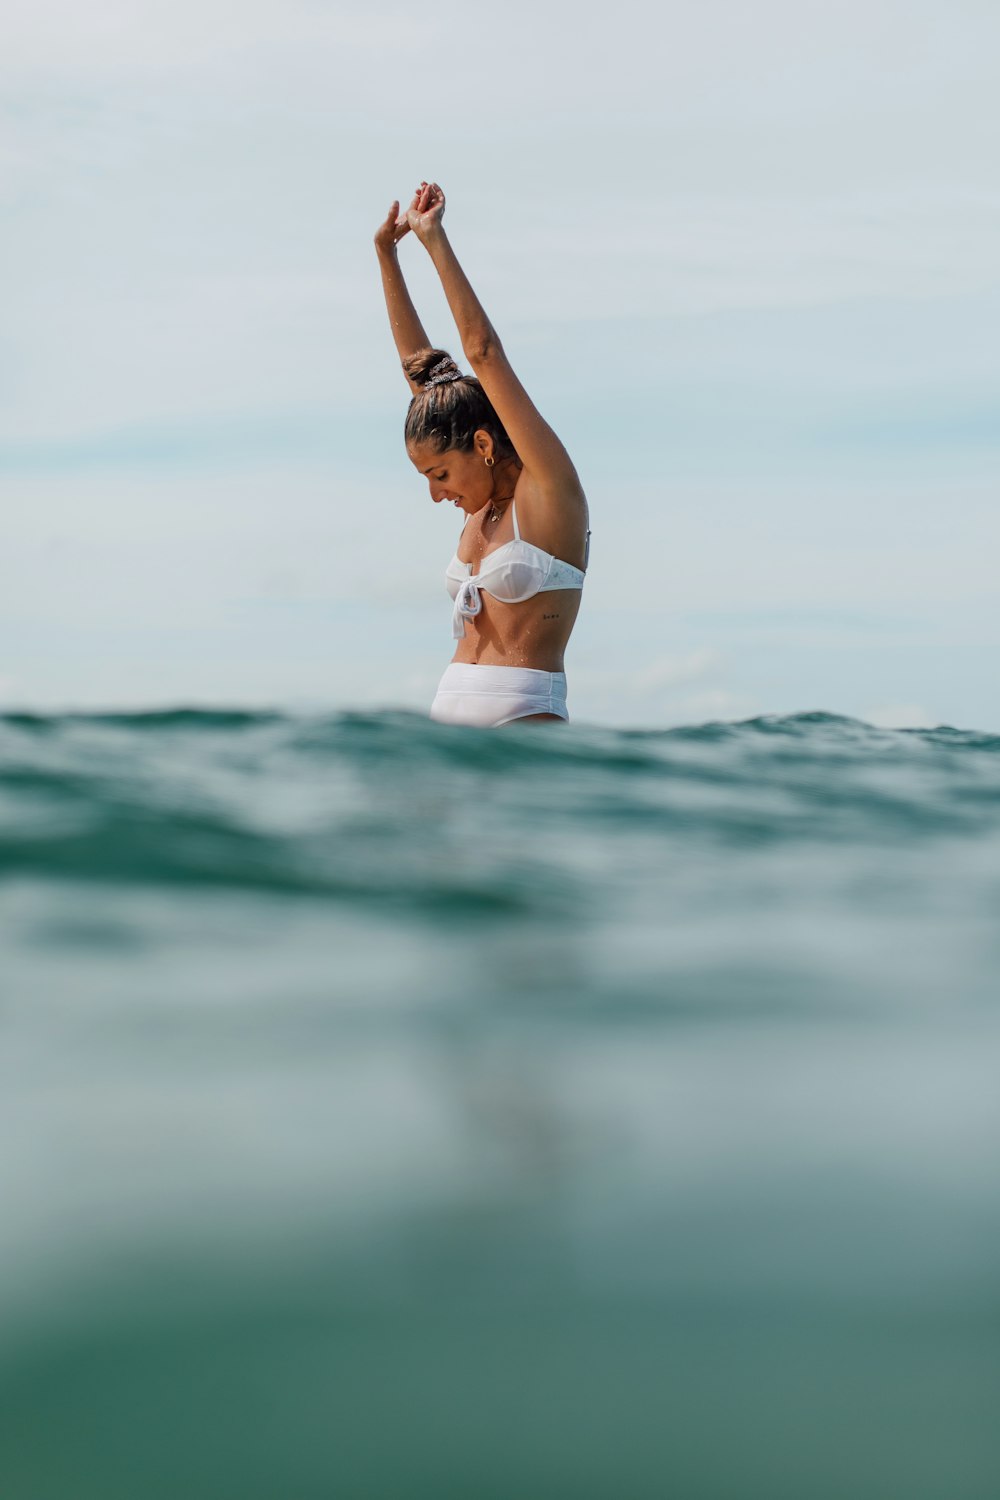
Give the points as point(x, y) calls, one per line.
point(397, 1110)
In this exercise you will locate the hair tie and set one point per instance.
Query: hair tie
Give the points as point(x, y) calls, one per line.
point(434, 378)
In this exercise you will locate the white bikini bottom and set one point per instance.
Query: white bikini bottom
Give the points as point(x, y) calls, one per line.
point(490, 696)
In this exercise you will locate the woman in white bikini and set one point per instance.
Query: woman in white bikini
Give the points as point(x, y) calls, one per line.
point(481, 444)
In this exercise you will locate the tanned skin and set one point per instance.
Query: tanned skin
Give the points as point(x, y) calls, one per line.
point(551, 505)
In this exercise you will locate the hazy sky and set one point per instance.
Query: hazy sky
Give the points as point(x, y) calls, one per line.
point(744, 253)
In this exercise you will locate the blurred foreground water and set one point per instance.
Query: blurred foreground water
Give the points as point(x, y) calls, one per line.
point(397, 1110)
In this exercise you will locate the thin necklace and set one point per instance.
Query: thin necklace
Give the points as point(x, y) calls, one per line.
point(498, 508)
point(496, 515)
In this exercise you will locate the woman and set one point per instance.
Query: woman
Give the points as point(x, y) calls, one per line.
point(518, 572)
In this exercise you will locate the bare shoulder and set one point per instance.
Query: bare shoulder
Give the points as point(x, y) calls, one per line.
point(554, 517)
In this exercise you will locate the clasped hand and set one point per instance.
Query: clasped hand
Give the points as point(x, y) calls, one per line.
point(423, 216)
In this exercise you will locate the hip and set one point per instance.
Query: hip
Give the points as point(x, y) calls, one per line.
point(488, 696)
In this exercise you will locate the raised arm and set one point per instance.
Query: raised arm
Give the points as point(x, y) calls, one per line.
point(538, 447)
point(407, 329)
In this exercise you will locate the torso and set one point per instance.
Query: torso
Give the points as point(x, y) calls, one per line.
point(535, 632)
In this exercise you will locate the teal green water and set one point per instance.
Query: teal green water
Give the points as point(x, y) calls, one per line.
point(396, 1110)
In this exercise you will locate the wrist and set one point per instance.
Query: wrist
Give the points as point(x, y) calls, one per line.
point(434, 238)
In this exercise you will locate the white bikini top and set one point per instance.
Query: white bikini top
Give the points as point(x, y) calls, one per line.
point(511, 573)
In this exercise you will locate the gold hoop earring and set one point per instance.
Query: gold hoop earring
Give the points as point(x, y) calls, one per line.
point(490, 462)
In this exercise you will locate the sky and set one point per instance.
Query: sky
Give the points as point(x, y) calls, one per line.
point(745, 255)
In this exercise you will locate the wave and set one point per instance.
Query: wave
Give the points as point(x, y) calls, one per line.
point(394, 806)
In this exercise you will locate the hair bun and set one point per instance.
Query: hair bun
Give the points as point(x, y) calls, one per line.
point(448, 408)
point(430, 367)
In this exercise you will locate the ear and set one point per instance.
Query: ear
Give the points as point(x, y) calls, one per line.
point(484, 444)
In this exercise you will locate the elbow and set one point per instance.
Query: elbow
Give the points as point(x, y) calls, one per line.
point(481, 348)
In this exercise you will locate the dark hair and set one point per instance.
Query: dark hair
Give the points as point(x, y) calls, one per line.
point(449, 412)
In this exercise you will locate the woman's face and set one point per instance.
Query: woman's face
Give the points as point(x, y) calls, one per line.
point(462, 478)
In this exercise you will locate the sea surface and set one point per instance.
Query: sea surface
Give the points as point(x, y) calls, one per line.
point(394, 1110)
